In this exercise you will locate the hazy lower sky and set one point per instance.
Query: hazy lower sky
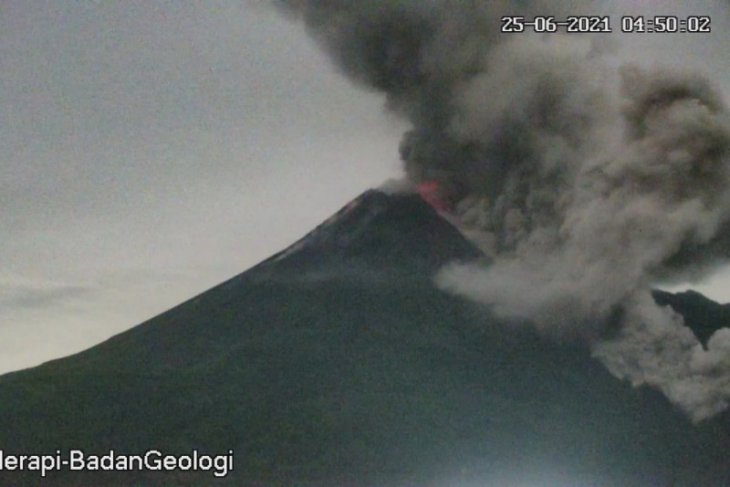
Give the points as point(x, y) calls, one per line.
point(150, 150)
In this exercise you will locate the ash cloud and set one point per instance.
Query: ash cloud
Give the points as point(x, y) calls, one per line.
point(584, 183)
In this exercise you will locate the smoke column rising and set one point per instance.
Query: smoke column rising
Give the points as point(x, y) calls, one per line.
point(584, 183)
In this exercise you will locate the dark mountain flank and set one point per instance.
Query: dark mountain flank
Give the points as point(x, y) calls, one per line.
point(337, 362)
point(701, 314)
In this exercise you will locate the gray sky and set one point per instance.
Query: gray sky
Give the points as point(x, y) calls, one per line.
point(150, 150)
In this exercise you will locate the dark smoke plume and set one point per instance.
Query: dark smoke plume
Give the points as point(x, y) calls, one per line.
point(583, 183)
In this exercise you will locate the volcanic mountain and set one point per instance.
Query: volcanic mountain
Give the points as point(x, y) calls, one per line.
point(337, 362)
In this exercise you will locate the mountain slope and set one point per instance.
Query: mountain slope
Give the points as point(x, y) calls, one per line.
point(337, 362)
point(700, 313)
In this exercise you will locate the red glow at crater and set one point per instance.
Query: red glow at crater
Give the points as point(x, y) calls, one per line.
point(431, 193)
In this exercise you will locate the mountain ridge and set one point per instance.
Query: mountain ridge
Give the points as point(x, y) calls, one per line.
point(337, 362)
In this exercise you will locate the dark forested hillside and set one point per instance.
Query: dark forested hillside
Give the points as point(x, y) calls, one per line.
point(338, 363)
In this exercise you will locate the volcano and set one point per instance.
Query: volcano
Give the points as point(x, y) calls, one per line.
point(337, 362)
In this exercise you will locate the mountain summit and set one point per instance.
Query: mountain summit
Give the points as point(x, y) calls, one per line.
point(337, 362)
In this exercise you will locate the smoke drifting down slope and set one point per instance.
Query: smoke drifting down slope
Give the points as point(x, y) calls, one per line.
point(584, 184)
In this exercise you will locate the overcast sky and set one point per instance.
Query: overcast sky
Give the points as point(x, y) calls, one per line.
point(150, 150)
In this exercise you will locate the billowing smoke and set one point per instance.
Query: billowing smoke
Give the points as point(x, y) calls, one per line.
point(585, 184)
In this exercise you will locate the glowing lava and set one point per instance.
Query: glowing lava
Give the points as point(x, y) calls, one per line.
point(431, 193)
